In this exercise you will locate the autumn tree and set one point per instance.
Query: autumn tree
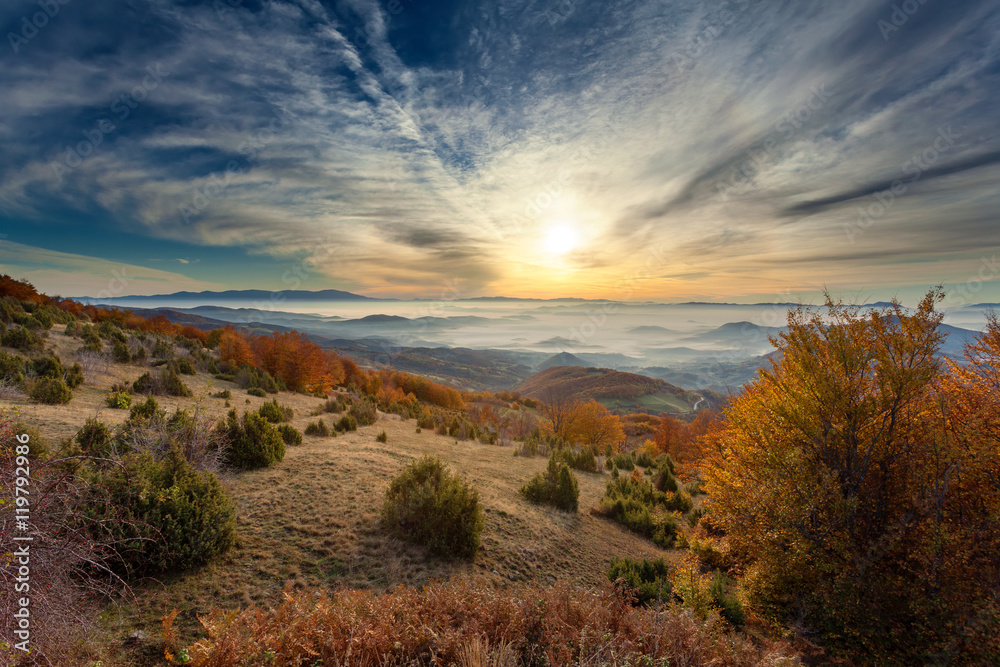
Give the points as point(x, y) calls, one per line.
point(580, 422)
point(22, 290)
point(684, 441)
point(593, 424)
point(852, 498)
point(234, 348)
point(670, 436)
point(300, 363)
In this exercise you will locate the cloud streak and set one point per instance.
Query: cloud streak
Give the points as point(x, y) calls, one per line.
point(437, 143)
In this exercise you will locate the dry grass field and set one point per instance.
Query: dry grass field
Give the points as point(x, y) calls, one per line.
point(312, 520)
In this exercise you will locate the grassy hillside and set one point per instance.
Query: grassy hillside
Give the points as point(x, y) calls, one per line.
point(616, 390)
point(313, 519)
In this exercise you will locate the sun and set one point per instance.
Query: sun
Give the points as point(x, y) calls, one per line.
point(560, 239)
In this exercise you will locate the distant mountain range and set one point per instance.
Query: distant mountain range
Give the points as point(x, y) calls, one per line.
point(242, 295)
point(277, 296)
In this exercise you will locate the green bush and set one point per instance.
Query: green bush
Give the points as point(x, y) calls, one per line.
point(730, 608)
point(290, 435)
point(648, 580)
point(144, 384)
point(162, 349)
point(364, 412)
point(275, 413)
point(120, 353)
point(382, 437)
point(119, 400)
point(94, 438)
point(584, 460)
point(30, 322)
point(74, 376)
point(13, 368)
point(53, 391)
point(159, 515)
point(333, 405)
point(144, 410)
point(429, 505)
point(556, 487)
point(256, 391)
point(37, 445)
point(318, 428)
point(182, 366)
point(247, 377)
point(168, 383)
point(637, 505)
point(48, 366)
point(225, 393)
point(109, 331)
point(666, 482)
point(253, 441)
point(347, 423)
point(622, 461)
point(644, 459)
point(172, 384)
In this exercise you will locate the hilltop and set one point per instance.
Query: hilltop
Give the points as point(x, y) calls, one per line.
point(616, 390)
point(562, 359)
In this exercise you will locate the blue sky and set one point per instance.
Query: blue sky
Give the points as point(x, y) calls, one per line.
point(742, 150)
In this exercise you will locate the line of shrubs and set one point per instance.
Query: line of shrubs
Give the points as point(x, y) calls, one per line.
point(43, 378)
point(167, 383)
point(650, 510)
point(654, 581)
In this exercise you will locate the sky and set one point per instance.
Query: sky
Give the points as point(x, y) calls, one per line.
point(631, 150)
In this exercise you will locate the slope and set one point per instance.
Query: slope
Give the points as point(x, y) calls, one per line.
point(617, 390)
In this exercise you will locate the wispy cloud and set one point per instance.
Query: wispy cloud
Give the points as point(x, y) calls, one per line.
point(441, 142)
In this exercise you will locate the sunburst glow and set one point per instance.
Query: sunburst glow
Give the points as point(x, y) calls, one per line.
point(561, 239)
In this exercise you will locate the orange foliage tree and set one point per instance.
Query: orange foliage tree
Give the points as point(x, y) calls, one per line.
point(21, 290)
point(684, 441)
point(234, 348)
point(295, 359)
point(857, 484)
point(580, 422)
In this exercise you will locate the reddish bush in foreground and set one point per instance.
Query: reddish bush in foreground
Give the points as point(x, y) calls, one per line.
point(523, 625)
